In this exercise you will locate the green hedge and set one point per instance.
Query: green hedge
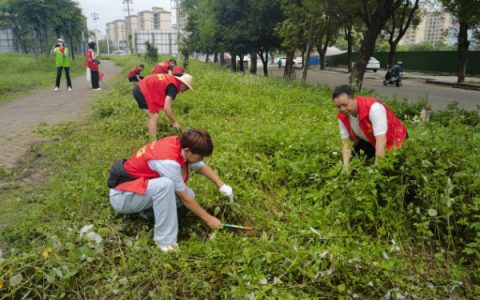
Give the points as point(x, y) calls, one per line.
point(424, 61)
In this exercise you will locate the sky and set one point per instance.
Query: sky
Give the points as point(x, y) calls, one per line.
point(109, 10)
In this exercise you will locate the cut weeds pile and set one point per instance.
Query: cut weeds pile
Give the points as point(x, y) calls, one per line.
point(406, 229)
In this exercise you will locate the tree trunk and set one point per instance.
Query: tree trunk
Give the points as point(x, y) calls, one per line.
point(253, 62)
point(463, 44)
point(215, 57)
point(265, 63)
point(349, 48)
point(222, 59)
point(233, 62)
point(375, 23)
point(206, 57)
point(241, 68)
point(289, 71)
point(391, 54)
point(305, 63)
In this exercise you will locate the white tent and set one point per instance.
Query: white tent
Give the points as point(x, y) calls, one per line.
point(331, 51)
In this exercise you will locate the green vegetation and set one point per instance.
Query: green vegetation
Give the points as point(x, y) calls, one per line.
point(408, 228)
point(22, 74)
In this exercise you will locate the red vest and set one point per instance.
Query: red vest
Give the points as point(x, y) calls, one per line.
point(161, 68)
point(154, 89)
point(135, 71)
point(137, 166)
point(90, 62)
point(396, 132)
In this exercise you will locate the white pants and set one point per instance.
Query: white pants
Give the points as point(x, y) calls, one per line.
point(160, 195)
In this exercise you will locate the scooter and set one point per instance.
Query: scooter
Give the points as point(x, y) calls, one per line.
point(397, 80)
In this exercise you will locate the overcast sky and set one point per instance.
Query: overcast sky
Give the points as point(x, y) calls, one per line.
point(109, 10)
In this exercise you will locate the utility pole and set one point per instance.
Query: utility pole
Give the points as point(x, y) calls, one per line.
point(108, 41)
point(128, 7)
point(95, 19)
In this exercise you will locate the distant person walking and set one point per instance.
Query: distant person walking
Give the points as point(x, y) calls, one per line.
point(164, 67)
point(135, 74)
point(62, 61)
point(92, 63)
point(156, 92)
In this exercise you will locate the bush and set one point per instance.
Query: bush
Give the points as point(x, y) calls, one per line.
point(407, 228)
point(151, 55)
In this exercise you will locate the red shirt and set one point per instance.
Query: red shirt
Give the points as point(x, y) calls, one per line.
point(162, 68)
point(154, 89)
point(90, 61)
point(135, 71)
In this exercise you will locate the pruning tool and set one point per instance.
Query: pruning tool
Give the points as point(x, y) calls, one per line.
point(244, 228)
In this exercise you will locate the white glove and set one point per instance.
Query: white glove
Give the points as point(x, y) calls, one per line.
point(227, 190)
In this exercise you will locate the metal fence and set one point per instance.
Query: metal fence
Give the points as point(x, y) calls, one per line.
point(164, 40)
point(423, 61)
point(6, 41)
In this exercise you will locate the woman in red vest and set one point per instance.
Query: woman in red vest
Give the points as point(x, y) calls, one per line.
point(92, 63)
point(155, 178)
point(164, 67)
point(156, 92)
point(368, 123)
point(135, 74)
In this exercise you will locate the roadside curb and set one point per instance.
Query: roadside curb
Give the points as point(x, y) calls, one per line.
point(465, 86)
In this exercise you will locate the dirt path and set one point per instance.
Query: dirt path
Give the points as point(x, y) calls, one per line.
point(20, 118)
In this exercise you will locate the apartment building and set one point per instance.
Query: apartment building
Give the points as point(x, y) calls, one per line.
point(434, 28)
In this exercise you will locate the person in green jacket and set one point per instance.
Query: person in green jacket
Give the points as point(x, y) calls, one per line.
point(62, 62)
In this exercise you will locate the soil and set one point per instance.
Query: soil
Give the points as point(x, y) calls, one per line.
point(20, 118)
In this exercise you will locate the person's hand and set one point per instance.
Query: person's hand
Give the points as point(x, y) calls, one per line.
point(345, 170)
point(177, 126)
point(214, 223)
point(227, 190)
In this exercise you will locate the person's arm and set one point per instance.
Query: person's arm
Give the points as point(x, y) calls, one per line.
point(211, 175)
point(378, 117)
point(380, 145)
point(191, 204)
point(168, 111)
point(346, 154)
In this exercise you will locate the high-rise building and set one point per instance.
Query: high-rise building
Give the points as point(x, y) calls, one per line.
point(434, 28)
point(162, 19)
point(117, 33)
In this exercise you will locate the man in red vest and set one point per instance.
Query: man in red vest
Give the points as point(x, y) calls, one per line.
point(164, 67)
point(135, 74)
point(368, 123)
point(156, 92)
point(155, 178)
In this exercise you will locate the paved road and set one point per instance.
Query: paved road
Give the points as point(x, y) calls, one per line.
point(413, 89)
point(19, 118)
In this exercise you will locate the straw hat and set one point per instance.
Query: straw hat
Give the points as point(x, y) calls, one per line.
point(186, 79)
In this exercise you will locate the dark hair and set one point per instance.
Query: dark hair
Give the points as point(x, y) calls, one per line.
point(173, 61)
point(198, 141)
point(343, 89)
point(142, 66)
point(92, 45)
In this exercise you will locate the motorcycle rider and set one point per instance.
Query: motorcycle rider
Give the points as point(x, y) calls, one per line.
point(394, 74)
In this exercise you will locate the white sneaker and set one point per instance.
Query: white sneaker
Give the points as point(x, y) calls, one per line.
point(168, 248)
point(69, 89)
point(55, 89)
point(99, 89)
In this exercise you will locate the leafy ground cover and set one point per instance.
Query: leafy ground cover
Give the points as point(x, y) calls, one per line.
point(21, 74)
point(408, 228)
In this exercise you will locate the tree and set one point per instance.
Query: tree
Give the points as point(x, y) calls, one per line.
point(374, 19)
point(397, 26)
point(468, 14)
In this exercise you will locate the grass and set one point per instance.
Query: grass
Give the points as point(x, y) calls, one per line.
point(21, 74)
point(318, 234)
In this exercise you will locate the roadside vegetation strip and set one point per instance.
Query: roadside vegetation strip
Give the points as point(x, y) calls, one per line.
point(21, 74)
point(408, 227)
